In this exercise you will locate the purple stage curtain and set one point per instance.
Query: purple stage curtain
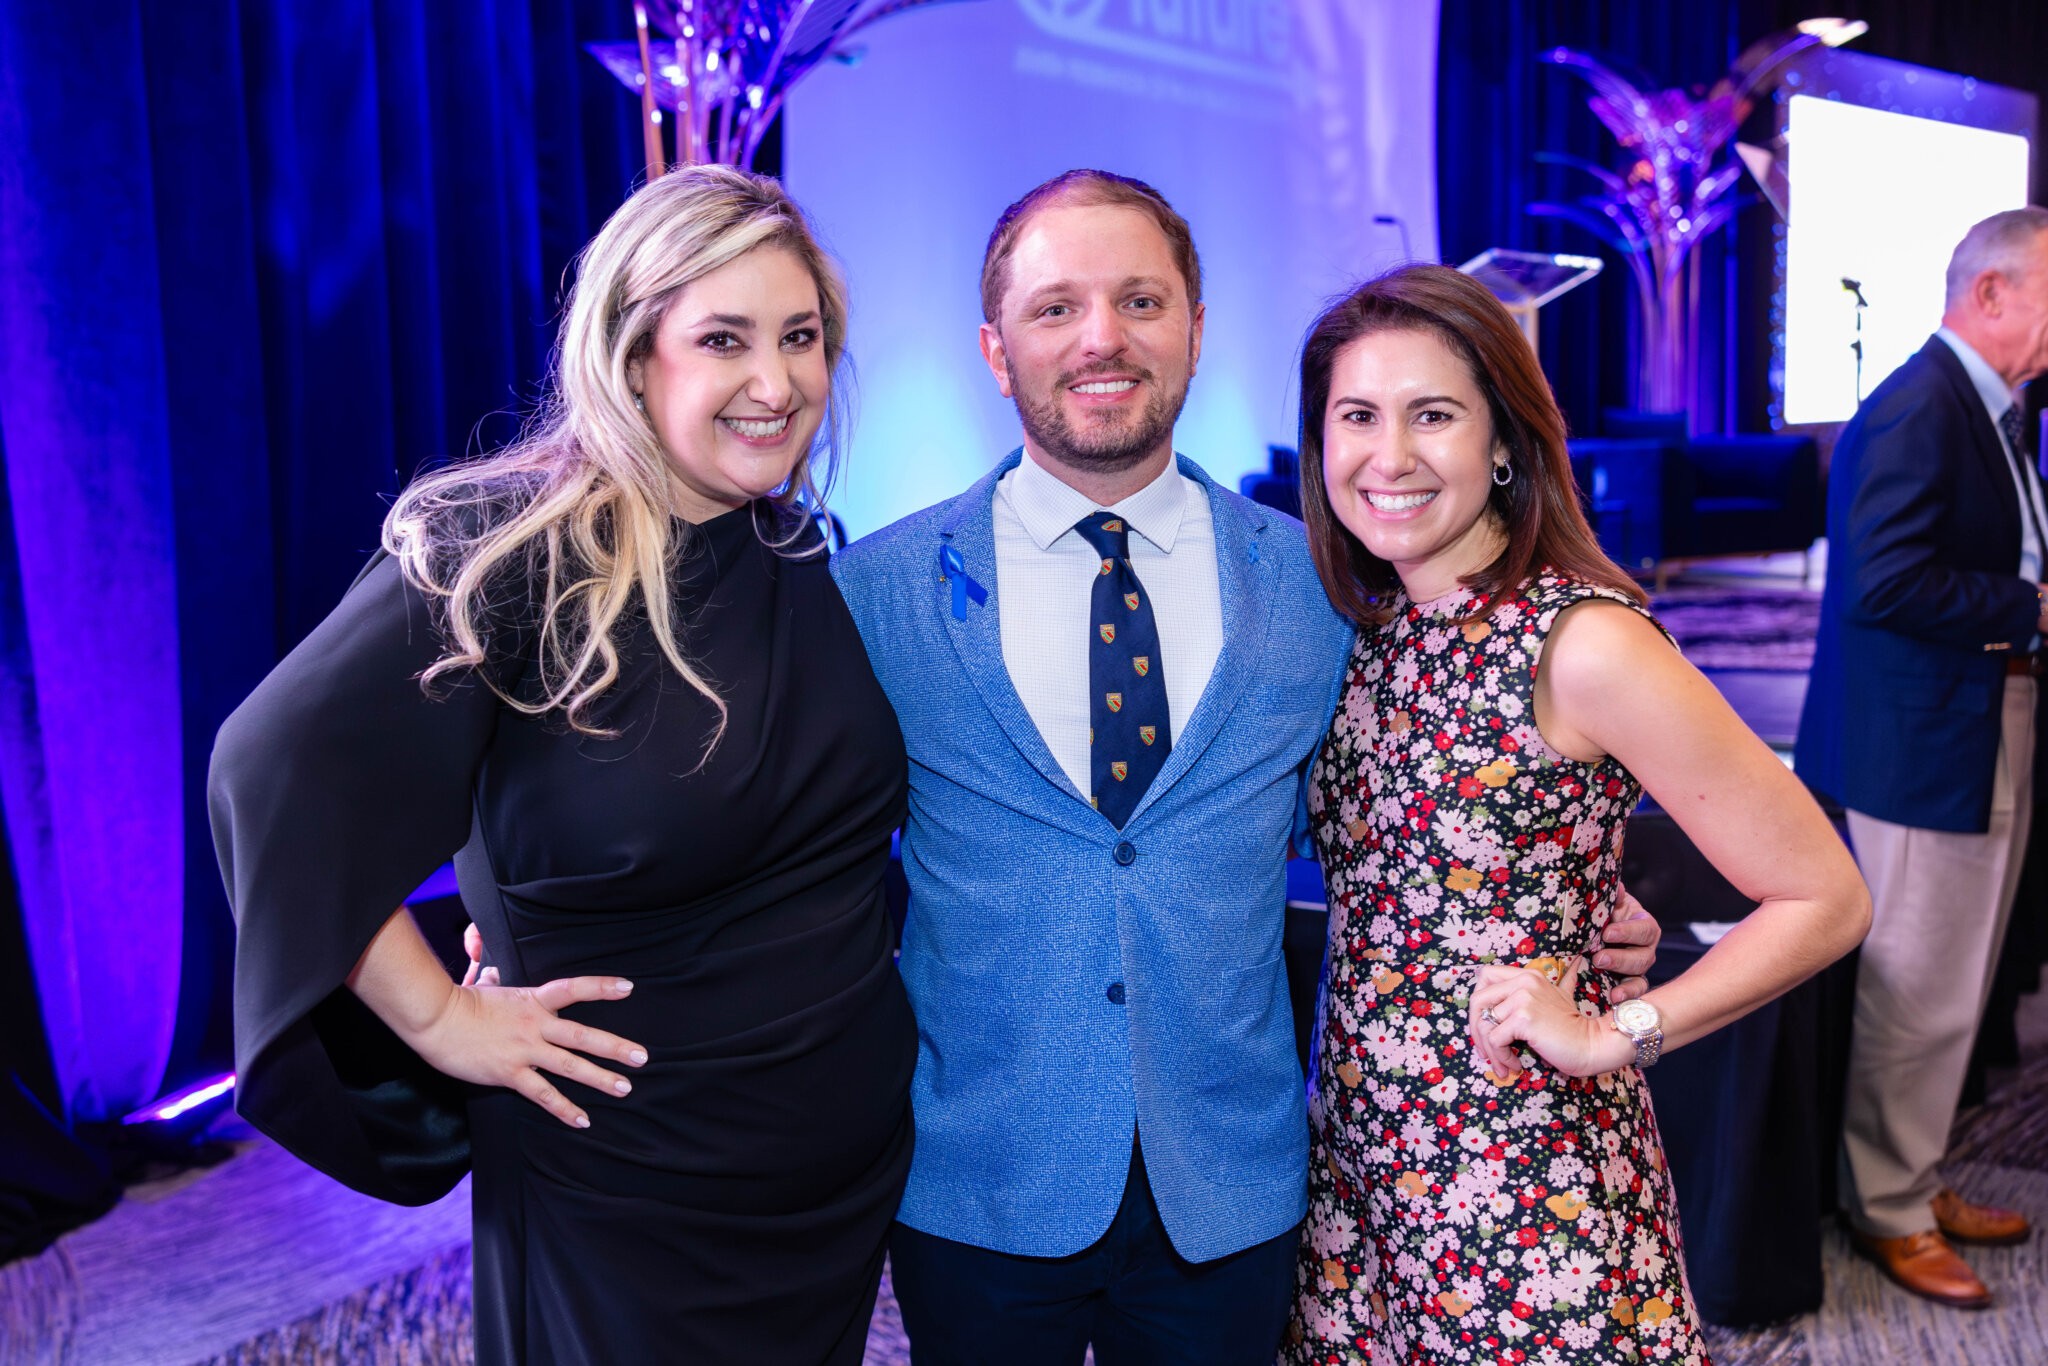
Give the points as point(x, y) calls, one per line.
point(1498, 106)
point(90, 753)
point(258, 263)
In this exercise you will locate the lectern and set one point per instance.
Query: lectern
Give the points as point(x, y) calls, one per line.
point(1527, 280)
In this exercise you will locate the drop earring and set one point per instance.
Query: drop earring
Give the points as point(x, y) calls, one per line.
point(640, 402)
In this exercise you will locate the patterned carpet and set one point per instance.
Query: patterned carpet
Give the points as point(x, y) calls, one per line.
point(1998, 1153)
point(1765, 627)
point(184, 1270)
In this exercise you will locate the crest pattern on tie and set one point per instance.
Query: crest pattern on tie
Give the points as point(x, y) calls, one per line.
point(1132, 731)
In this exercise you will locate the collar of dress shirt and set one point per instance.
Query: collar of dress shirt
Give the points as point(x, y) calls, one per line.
point(1048, 507)
point(1997, 397)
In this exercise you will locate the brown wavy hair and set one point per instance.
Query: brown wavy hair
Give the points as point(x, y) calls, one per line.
point(1090, 188)
point(1539, 509)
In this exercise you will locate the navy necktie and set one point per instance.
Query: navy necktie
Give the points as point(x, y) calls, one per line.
point(1130, 730)
point(2014, 425)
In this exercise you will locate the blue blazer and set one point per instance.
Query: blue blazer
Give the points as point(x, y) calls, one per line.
point(1923, 604)
point(1072, 981)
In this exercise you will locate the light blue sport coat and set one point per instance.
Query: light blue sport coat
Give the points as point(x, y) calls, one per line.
point(1026, 905)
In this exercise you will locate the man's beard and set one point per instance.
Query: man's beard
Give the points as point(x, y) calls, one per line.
point(1103, 448)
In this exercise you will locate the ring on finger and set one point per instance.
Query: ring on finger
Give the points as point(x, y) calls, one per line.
point(1488, 1016)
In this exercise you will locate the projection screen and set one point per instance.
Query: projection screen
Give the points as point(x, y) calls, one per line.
point(1888, 165)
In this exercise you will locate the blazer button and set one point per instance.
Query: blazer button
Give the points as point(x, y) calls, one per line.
point(1126, 853)
point(1115, 993)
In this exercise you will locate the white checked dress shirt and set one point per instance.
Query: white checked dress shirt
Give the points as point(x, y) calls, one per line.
point(1045, 580)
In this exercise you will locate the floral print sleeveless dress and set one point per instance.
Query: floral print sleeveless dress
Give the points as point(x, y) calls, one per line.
point(1455, 1216)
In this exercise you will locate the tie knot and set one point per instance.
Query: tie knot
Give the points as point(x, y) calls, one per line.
point(1108, 533)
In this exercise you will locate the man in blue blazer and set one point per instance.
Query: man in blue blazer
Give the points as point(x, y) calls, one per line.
point(1111, 675)
point(1919, 719)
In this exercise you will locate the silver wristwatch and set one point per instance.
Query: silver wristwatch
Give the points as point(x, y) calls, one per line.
point(1640, 1023)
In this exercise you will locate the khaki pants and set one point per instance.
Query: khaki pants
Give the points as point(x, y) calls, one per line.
point(1940, 902)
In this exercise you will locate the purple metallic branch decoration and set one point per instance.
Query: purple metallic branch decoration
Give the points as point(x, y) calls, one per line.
point(1668, 194)
point(726, 66)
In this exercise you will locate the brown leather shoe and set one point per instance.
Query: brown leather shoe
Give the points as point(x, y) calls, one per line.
point(1964, 1222)
point(1925, 1264)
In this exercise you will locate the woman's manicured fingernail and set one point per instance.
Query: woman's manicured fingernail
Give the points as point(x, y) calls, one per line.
point(622, 986)
point(622, 1086)
point(583, 1121)
point(1603, 960)
point(637, 1056)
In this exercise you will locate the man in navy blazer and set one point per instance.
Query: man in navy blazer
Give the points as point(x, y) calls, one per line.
point(1111, 1133)
point(1919, 719)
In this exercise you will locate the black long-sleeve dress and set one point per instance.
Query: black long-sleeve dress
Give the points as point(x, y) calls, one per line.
point(734, 1207)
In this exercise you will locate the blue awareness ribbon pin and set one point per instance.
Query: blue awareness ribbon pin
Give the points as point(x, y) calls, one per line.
point(953, 570)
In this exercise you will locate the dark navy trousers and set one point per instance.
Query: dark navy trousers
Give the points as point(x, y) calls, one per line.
point(1131, 1295)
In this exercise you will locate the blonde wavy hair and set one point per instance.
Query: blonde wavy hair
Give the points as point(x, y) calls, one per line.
point(574, 519)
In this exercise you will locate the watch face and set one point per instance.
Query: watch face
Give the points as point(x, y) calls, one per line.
point(1637, 1017)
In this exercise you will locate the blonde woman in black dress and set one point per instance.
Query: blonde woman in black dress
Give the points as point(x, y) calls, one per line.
point(610, 668)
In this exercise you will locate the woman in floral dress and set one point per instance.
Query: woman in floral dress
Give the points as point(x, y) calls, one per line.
point(1486, 1180)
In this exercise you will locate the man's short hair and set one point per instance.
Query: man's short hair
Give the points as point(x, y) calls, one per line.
point(1087, 188)
point(2003, 242)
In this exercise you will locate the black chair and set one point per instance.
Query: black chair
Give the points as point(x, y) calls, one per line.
point(1659, 498)
point(1279, 484)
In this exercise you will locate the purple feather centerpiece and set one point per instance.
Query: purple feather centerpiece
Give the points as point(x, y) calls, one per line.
point(722, 68)
point(1671, 189)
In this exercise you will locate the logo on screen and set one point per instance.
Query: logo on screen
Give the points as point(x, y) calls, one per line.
point(1067, 11)
point(1249, 40)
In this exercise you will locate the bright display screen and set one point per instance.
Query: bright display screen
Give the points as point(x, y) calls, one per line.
point(1882, 199)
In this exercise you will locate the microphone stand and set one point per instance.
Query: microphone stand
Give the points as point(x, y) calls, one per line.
point(1855, 287)
point(1388, 220)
